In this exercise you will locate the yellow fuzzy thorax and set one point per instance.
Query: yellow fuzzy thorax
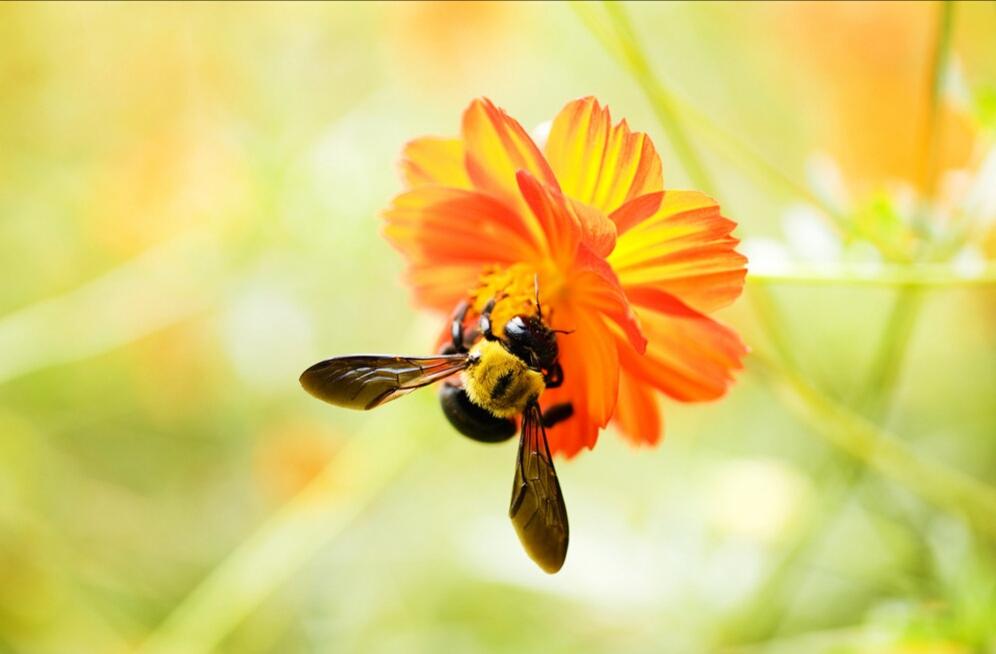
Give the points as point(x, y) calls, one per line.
point(500, 382)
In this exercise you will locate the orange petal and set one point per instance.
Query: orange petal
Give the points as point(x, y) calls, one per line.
point(589, 352)
point(597, 366)
point(496, 148)
point(559, 230)
point(599, 164)
point(449, 236)
point(590, 294)
point(637, 414)
point(441, 287)
point(636, 211)
point(684, 248)
point(446, 225)
point(598, 232)
point(568, 438)
point(565, 222)
point(579, 431)
point(434, 160)
point(689, 356)
point(594, 287)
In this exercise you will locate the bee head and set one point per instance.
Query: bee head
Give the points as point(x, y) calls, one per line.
point(528, 338)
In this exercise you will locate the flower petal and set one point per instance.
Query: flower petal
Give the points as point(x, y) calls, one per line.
point(598, 365)
point(636, 211)
point(496, 148)
point(441, 286)
point(440, 224)
point(580, 430)
point(434, 160)
point(590, 286)
point(565, 222)
point(599, 164)
point(449, 235)
point(689, 356)
point(574, 434)
point(684, 248)
point(558, 227)
point(637, 414)
point(595, 287)
point(598, 232)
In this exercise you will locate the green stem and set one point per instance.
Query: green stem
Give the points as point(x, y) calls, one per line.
point(766, 308)
point(870, 448)
point(660, 100)
point(920, 275)
point(754, 164)
point(933, 130)
point(671, 111)
point(880, 389)
point(186, 275)
point(885, 453)
point(878, 452)
point(768, 599)
point(365, 466)
point(849, 432)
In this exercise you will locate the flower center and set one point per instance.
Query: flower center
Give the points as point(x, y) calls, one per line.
point(514, 289)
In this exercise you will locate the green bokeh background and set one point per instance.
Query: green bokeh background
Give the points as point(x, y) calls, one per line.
point(188, 218)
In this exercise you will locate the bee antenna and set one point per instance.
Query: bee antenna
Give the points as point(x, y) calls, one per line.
point(563, 331)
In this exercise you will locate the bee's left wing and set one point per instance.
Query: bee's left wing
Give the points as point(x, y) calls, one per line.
point(365, 381)
point(537, 510)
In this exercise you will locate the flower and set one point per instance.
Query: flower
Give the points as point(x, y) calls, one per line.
point(630, 269)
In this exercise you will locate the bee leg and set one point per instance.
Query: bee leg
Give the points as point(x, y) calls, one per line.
point(456, 327)
point(485, 327)
point(555, 378)
point(557, 413)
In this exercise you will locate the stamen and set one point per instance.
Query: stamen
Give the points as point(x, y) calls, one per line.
point(516, 290)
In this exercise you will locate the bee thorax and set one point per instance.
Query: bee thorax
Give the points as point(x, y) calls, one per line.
point(500, 382)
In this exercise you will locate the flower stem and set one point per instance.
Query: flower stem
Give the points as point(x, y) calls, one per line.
point(672, 111)
point(933, 129)
point(767, 310)
point(857, 436)
point(944, 487)
point(869, 448)
point(185, 274)
point(882, 381)
point(917, 275)
point(357, 475)
point(660, 100)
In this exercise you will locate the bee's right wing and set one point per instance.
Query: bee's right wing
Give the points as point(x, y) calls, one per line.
point(537, 509)
point(365, 381)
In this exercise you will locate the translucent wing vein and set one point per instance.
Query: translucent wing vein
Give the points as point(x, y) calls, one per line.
point(537, 509)
point(366, 381)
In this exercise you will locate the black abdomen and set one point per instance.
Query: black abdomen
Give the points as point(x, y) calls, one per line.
point(471, 420)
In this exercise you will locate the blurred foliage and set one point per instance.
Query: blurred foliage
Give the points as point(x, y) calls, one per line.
point(188, 219)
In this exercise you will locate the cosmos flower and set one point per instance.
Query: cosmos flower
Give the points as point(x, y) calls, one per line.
point(629, 269)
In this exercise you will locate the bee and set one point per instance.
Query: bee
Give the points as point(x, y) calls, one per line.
point(500, 377)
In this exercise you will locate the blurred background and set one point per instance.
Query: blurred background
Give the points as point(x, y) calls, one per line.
point(188, 218)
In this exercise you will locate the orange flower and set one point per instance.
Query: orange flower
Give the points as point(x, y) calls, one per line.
point(629, 268)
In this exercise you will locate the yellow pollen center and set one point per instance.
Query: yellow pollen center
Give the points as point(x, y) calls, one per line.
point(514, 291)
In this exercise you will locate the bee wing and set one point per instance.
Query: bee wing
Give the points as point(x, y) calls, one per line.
point(366, 381)
point(537, 509)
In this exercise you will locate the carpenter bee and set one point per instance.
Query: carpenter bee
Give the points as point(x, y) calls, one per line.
point(501, 377)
